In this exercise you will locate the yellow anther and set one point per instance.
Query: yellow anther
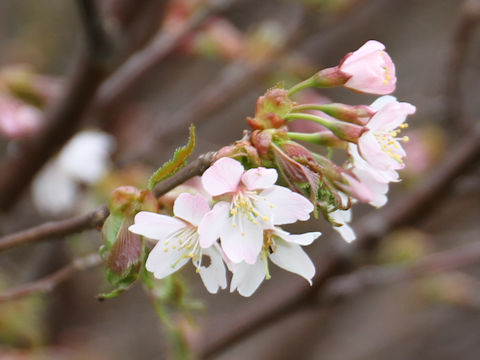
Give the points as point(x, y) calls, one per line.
point(174, 247)
point(271, 206)
point(265, 218)
point(165, 250)
point(197, 270)
point(406, 139)
point(243, 234)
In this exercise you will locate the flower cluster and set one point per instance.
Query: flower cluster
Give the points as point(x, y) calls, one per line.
point(241, 229)
point(268, 179)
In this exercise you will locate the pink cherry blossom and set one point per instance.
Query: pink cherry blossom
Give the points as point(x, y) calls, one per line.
point(380, 146)
point(249, 201)
point(376, 180)
point(284, 250)
point(370, 68)
point(178, 241)
point(18, 119)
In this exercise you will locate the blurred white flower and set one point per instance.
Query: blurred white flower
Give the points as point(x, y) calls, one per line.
point(84, 159)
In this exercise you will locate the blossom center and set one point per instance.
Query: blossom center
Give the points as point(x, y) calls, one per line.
point(388, 141)
point(185, 239)
point(243, 208)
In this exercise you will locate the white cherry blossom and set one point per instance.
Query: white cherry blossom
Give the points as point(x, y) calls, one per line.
point(178, 242)
point(281, 248)
point(248, 202)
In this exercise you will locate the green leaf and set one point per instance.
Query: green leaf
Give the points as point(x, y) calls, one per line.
point(179, 160)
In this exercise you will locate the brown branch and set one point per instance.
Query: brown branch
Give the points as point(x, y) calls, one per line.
point(370, 230)
point(457, 56)
point(375, 276)
point(49, 282)
point(56, 229)
point(65, 116)
point(113, 91)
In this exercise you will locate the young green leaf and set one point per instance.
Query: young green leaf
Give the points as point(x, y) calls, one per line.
point(179, 160)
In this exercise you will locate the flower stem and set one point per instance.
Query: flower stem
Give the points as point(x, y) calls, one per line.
point(301, 85)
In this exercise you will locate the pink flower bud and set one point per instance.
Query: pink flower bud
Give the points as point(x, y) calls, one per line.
point(370, 69)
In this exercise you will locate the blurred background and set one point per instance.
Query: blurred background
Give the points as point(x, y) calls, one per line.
point(224, 55)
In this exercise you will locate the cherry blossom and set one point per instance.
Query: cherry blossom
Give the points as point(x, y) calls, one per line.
point(84, 159)
point(370, 68)
point(18, 119)
point(178, 241)
point(248, 202)
point(380, 146)
point(284, 250)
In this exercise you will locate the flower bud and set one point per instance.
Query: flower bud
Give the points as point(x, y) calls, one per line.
point(359, 114)
point(271, 109)
point(262, 141)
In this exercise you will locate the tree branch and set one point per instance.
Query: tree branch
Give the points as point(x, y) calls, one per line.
point(469, 19)
point(49, 282)
point(63, 118)
point(375, 276)
point(370, 230)
point(56, 229)
point(112, 92)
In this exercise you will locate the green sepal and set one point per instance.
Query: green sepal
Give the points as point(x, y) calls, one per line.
point(178, 161)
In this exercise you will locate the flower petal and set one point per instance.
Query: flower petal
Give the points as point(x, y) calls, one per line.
point(346, 232)
point(191, 208)
point(163, 263)
point(222, 177)
point(242, 242)
point(259, 178)
point(284, 205)
point(302, 239)
point(155, 226)
point(247, 278)
point(291, 257)
point(209, 227)
point(213, 276)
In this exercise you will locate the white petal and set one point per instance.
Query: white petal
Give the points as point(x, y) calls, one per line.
point(191, 208)
point(302, 239)
point(163, 263)
point(259, 178)
point(155, 226)
point(247, 278)
point(291, 257)
point(209, 227)
point(382, 101)
point(54, 192)
point(87, 156)
point(222, 177)
point(214, 275)
point(346, 232)
point(242, 242)
point(284, 205)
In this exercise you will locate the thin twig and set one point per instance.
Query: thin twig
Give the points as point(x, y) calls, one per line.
point(49, 282)
point(63, 119)
point(57, 229)
point(457, 56)
point(370, 230)
point(112, 92)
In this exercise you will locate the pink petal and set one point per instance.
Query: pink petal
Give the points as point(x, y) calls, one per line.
point(191, 208)
point(374, 155)
point(155, 226)
point(222, 177)
point(209, 227)
point(284, 205)
point(259, 178)
point(369, 47)
point(391, 116)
